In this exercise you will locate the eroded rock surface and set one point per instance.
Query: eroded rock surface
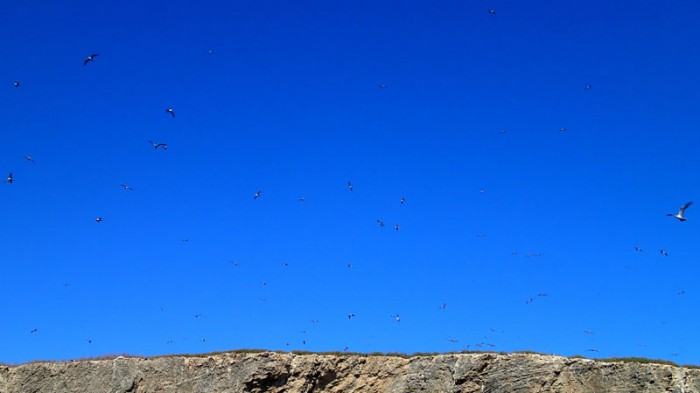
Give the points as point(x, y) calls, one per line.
point(286, 372)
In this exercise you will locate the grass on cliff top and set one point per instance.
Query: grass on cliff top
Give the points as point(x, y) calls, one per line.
point(338, 353)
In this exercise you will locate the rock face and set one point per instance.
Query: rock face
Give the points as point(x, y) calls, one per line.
point(286, 372)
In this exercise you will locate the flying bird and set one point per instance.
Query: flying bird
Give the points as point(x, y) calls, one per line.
point(663, 252)
point(443, 306)
point(30, 159)
point(34, 330)
point(98, 220)
point(126, 187)
point(563, 129)
point(302, 199)
point(257, 195)
point(396, 227)
point(492, 12)
point(638, 249)
point(350, 186)
point(164, 146)
point(396, 317)
point(587, 332)
point(403, 200)
point(351, 315)
point(90, 58)
point(681, 211)
point(382, 86)
point(589, 87)
point(380, 222)
point(10, 179)
point(15, 84)
point(171, 111)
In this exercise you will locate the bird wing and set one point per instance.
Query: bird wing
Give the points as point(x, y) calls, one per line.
point(682, 209)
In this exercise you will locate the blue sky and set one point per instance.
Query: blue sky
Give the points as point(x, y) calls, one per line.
point(288, 103)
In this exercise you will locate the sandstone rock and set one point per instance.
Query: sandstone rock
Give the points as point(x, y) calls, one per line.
point(286, 372)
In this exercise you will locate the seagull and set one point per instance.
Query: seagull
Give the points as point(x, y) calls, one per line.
point(171, 111)
point(30, 159)
point(382, 86)
point(443, 306)
point(679, 216)
point(542, 294)
point(257, 195)
point(638, 249)
point(302, 199)
point(492, 12)
point(89, 59)
point(563, 129)
point(663, 252)
point(351, 315)
point(396, 317)
point(10, 179)
point(126, 187)
point(589, 87)
point(402, 200)
point(396, 227)
point(350, 186)
point(15, 84)
point(98, 220)
point(592, 350)
point(197, 315)
point(34, 330)
point(349, 265)
point(452, 340)
point(380, 222)
point(235, 263)
point(314, 321)
point(164, 146)
point(530, 300)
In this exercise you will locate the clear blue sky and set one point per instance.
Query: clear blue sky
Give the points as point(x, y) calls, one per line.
point(288, 103)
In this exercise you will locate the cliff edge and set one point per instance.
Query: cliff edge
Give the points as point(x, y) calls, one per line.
point(288, 372)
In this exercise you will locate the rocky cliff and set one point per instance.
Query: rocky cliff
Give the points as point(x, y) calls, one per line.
point(286, 372)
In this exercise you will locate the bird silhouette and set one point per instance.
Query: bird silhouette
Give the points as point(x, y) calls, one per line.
point(171, 111)
point(681, 211)
point(10, 179)
point(257, 195)
point(30, 159)
point(15, 84)
point(402, 200)
point(382, 86)
point(396, 227)
point(98, 220)
point(155, 145)
point(380, 222)
point(89, 59)
point(350, 186)
point(638, 249)
point(663, 252)
point(126, 187)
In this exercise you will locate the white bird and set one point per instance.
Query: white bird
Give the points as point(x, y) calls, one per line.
point(15, 84)
point(257, 195)
point(681, 211)
point(126, 187)
point(98, 220)
point(663, 252)
point(30, 158)
point(10, 179)
point(396, 317)
point(171, 111)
